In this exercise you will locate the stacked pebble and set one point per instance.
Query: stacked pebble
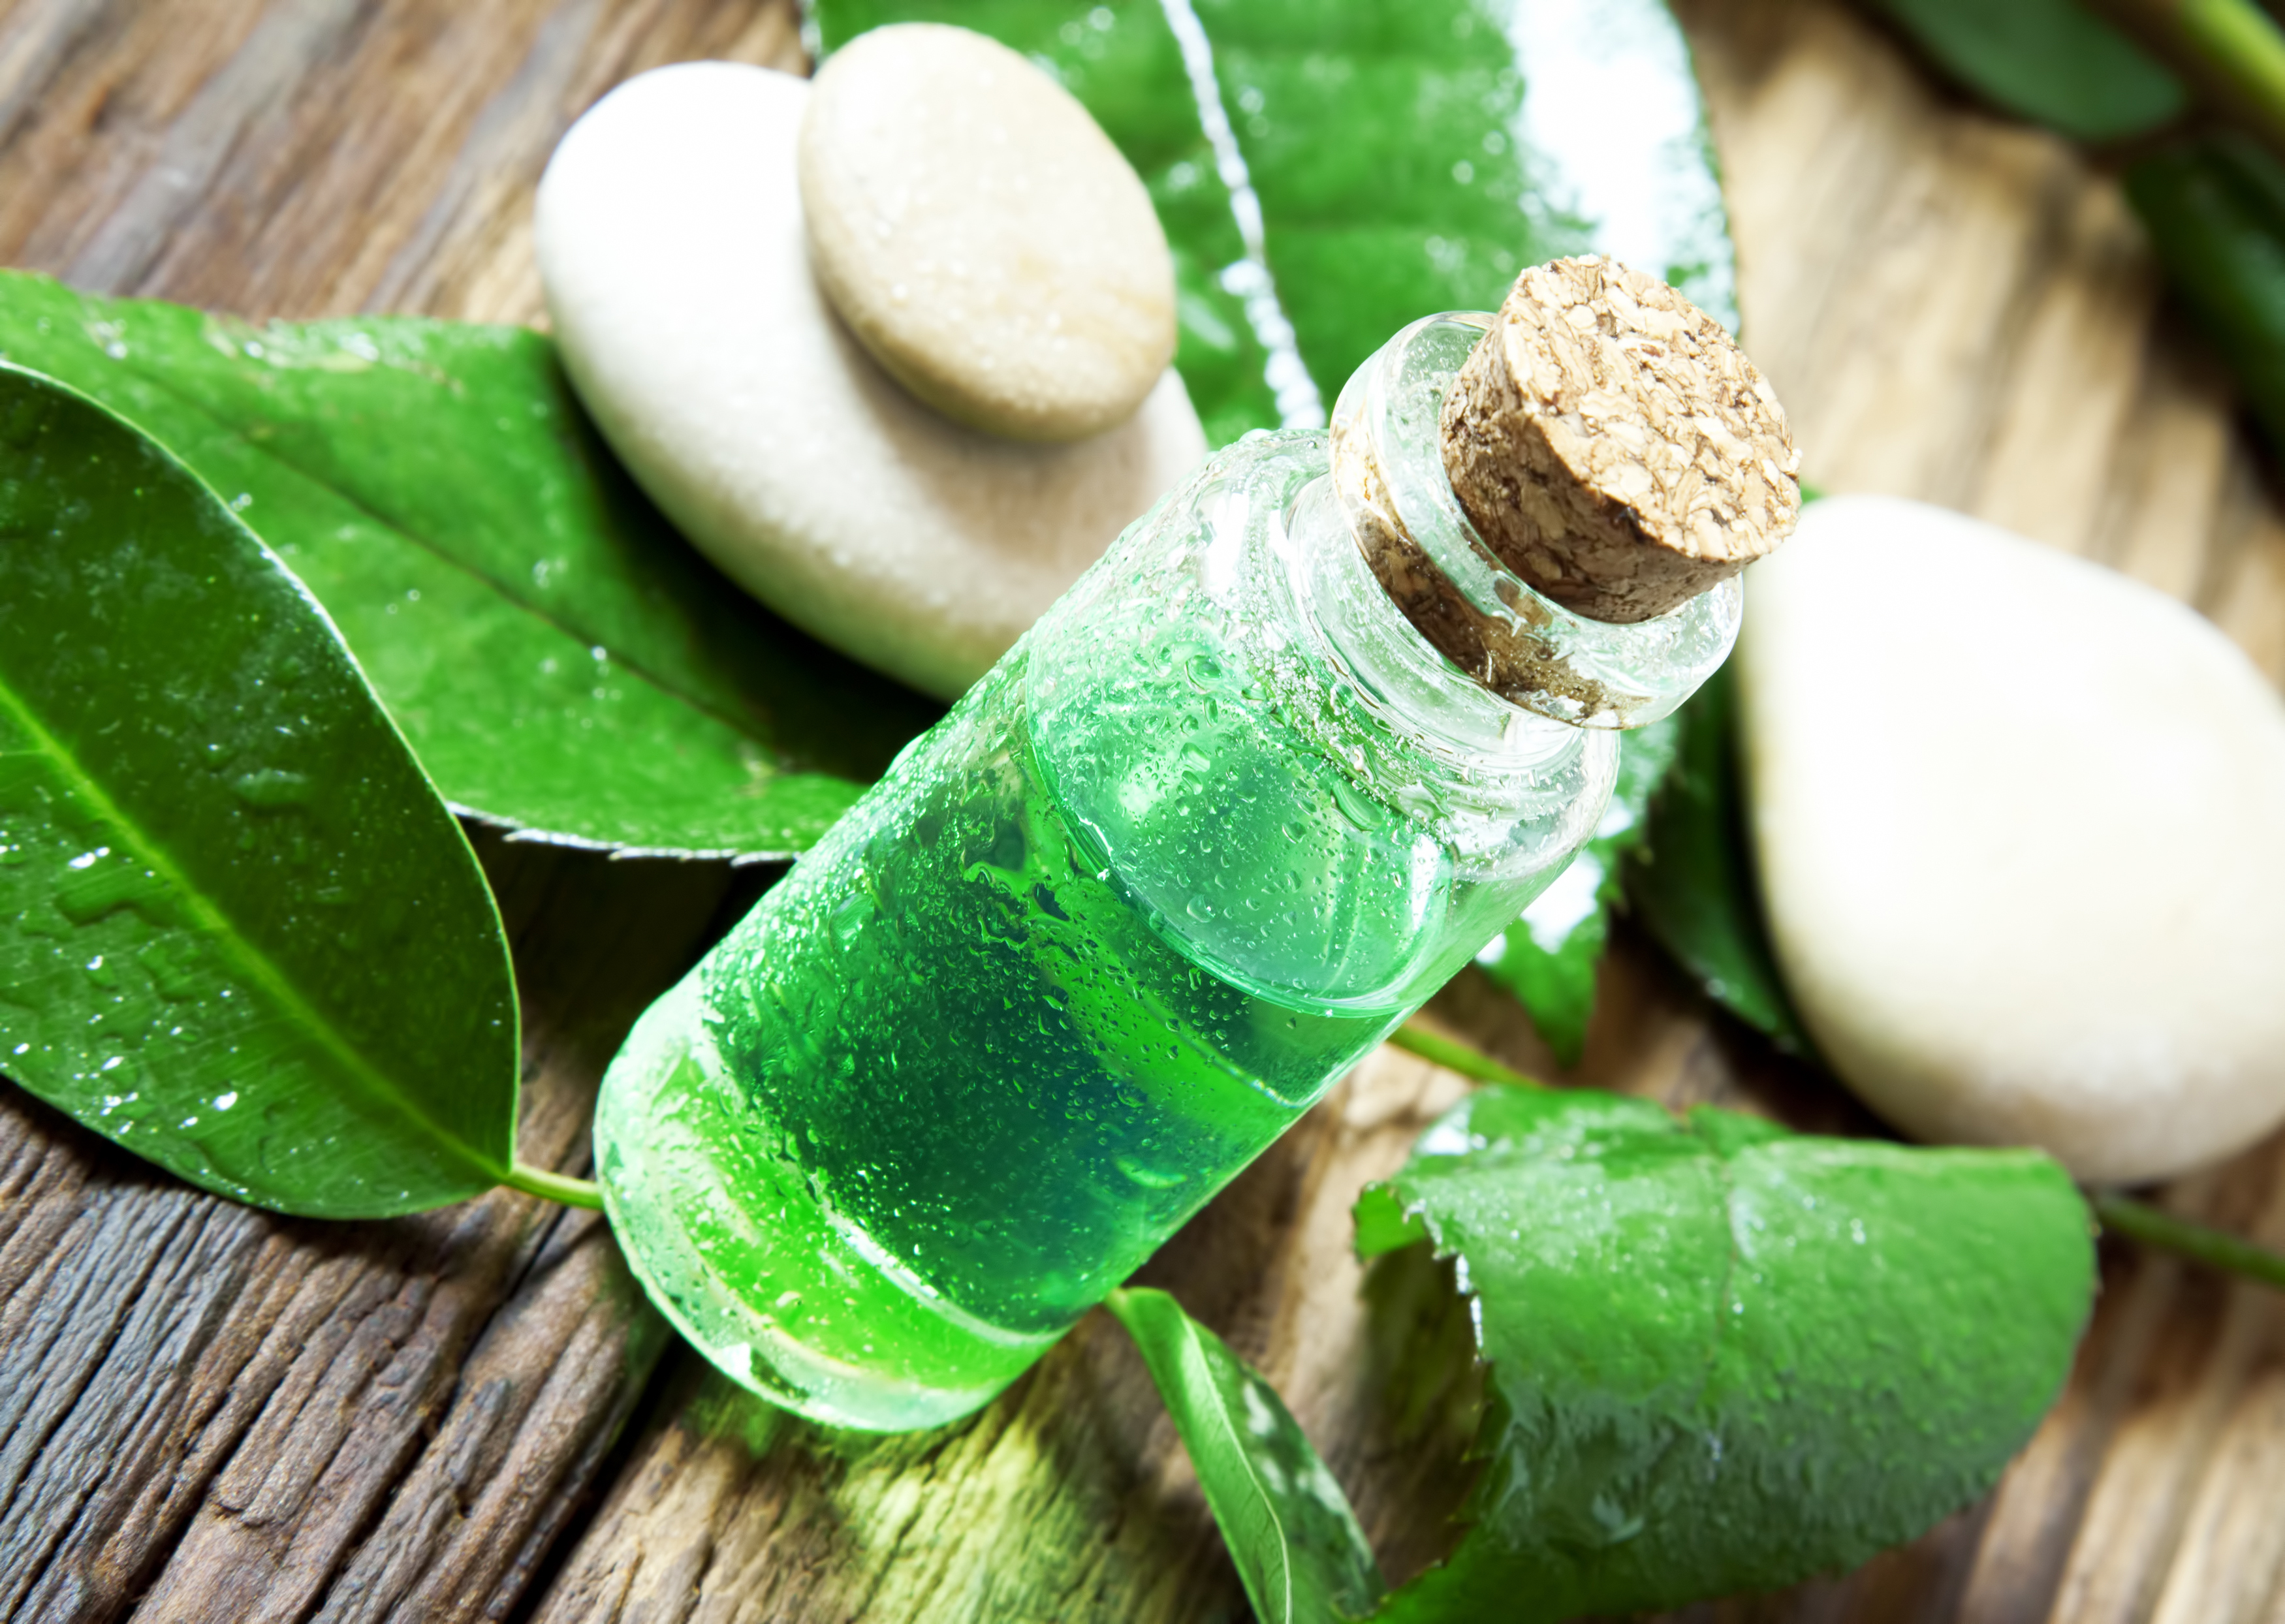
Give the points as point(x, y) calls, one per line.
point(767, 417)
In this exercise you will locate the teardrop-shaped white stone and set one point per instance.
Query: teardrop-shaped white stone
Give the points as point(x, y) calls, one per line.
point(2021, 827)
point(671, 244)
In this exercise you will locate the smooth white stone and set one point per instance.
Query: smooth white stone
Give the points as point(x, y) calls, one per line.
point(671, 245)
point(981, 235)
point(2021, 826)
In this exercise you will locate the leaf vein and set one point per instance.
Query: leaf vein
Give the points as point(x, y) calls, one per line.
point(632, 664)
point(255, 964)
point(1201, 1370)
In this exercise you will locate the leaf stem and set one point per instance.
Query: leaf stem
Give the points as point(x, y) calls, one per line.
point(2244, 47)
point(555, 1187)
point(2232, 49)
point(2152, 1227)
point(1456, 1056)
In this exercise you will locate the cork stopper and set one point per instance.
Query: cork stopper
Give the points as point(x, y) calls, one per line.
point(1613, 445)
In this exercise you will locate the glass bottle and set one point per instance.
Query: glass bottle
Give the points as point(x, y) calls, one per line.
point(1215, 827)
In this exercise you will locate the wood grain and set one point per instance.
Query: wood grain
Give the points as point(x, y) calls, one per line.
point(214, 1414)
point(209, 1414)
point(234, 1416)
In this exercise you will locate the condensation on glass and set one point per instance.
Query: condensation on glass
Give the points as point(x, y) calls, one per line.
point(1215, 827)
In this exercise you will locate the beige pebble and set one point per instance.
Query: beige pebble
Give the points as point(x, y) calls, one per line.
point(2020, 828)
point(671, 245)
point(981, 235)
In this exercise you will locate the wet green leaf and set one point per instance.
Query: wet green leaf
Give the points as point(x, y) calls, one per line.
point(1722, 1357)
point(2215, 208)
point(2055, 62)
point(240, 934)
point(561, 659)
point(1329, 170)
point(1288, 1525)
point(1691, 882)
point(1548, 957)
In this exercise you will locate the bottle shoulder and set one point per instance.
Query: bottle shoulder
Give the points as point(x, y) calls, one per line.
point(1230, 768)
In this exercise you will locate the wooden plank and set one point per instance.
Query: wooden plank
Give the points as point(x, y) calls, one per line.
point(228, 1415)
point(317, 157)
point(248, 1415)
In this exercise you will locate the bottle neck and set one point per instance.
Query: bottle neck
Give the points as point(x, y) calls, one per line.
point(1510, 793)
point(1468, 613)
point(1417, 691)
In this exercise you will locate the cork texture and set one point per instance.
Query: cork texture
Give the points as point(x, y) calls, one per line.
point(1517, 665)
point(1614, 446)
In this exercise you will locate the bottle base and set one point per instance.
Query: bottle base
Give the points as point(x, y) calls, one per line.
point(736, 1249)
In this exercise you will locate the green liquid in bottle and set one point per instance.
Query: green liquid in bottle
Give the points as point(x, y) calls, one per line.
point(1217, 825)
point(977, 1087)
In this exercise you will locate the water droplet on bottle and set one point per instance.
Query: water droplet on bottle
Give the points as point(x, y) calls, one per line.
point(1359, 808)
point(1144, 1174)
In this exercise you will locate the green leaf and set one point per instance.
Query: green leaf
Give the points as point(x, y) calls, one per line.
point(2055, 62)
point(2215, 208)
point(240, 934)
point(1289, 1527)
point(559, 658)
point(1548, 957)
point(1722, 1357)
point(1692, 883)
point(1329, 170)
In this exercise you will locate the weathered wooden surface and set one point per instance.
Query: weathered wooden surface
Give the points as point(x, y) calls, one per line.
point(209, 1414)
point(233, 1415)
